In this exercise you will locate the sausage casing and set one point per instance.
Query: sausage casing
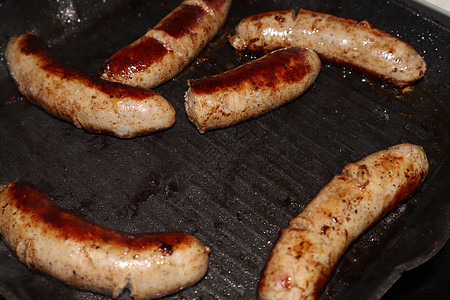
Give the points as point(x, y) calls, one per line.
point(336, 39)
point(86, 101)
point(88, 256)
point(251, 89)
point(170, 46)
point(307, 252)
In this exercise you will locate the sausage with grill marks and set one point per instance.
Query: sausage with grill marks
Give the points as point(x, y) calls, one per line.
point(307, 252)
point(170, 46)
point(88, 256)
point(88, 102)
point(251, 89)
point(336, 39)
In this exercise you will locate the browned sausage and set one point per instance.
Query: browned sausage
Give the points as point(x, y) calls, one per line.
point(336, 39)
point(86, 101)
point(88, 256)
point(307, 252)
point(251, 89)
point(170, 46)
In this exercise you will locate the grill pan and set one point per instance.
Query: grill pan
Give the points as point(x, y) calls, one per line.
point(233, 188)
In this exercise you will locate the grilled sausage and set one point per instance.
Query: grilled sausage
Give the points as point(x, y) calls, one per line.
point(308, 251)
point(86, 101)
point(170, 46)
point(336, 39)
point(251, 89)
point(88, 256)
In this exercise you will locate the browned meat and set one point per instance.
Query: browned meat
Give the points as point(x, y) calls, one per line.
point(89, 102)
point(307, 252)
point(88, 256)
point(251, 89)
point(170, 46)
point(336, 39)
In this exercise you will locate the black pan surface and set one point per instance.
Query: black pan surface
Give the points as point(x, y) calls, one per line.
point(234, 188)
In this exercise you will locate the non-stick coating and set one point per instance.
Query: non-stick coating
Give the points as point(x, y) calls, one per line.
point(233, 188)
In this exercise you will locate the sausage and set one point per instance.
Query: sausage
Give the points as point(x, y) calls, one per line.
point(170, 46)
point(251, 89)
point(308, 251)
point(336, 39)
point(88, 256)
point(87, 101)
